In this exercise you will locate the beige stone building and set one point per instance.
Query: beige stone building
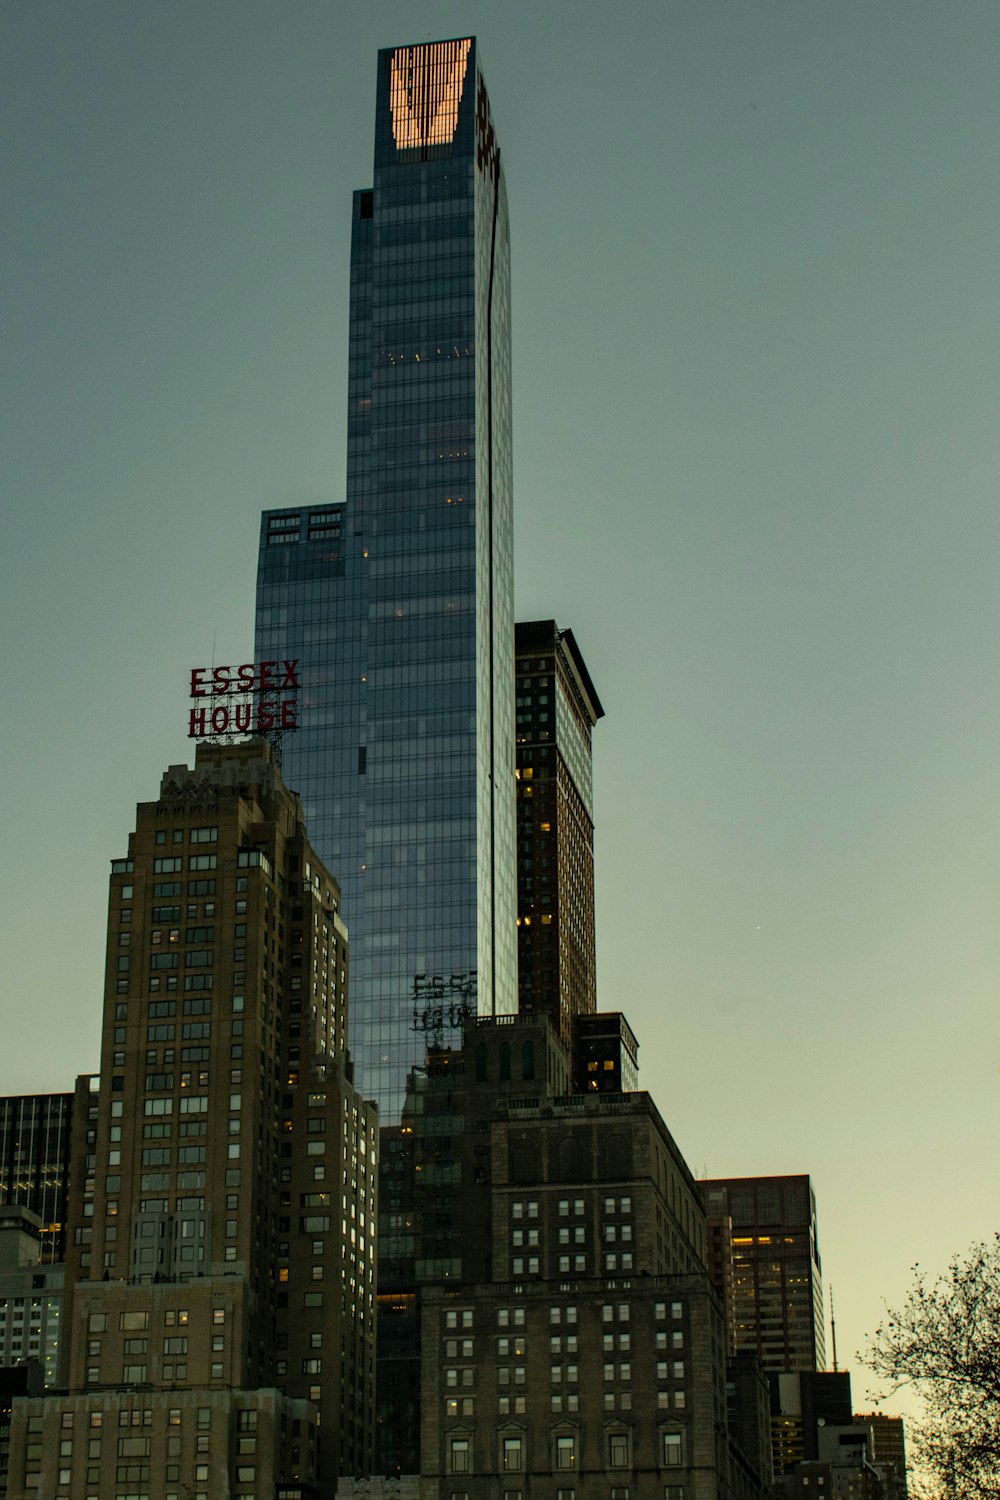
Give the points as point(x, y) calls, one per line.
point(220, 1276)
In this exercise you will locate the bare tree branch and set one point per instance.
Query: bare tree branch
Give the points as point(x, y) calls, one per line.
point(944, 1343)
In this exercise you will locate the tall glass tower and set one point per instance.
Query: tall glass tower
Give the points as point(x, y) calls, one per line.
point(398, 598)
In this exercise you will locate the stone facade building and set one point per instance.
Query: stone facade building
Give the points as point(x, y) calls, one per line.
point(555, 1328)
point(574, 1390)
point(220, 1275)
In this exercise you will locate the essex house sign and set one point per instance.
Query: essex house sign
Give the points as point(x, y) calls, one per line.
point(252, 698)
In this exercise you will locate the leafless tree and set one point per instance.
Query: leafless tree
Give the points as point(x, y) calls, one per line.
point(944, 1344)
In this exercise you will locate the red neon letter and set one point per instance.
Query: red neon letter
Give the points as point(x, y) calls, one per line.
point(288, 719)
point(220, 680)
point(197, 677)
point(242, 716)
point(220, 719)
point(291, 676)
point(246, 674)
point(267, 674)
point(196, 723)
point(265, 715)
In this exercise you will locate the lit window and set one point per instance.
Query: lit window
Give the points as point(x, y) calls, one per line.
point(566, 1452)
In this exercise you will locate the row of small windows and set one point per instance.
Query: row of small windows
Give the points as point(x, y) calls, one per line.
point(315, 534)
point(514, 1317)
point(164, 889)
point(198, 1007)
point(167, 914)
point(196, 836)
point(198, 958)
point(167, 888)
point(138, 1322)
point(519, 1238)
point(558, 1344)
point(174, 864)
point(528, 1208)
point(565, 1452)
point(292, 520)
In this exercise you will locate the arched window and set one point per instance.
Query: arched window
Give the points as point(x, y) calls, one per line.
point(528, 1061)
point(522, 1162)
point(505, 1062)
point(481, 1063)
point(571, 1161)
point(616, 1156)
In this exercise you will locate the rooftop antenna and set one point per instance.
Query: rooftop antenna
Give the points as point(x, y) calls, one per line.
point(833, 1331)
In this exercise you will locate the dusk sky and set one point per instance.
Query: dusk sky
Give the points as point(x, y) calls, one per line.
point(756, 355)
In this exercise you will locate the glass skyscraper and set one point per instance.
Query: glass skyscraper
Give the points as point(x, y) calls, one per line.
point(34, 1161)
point(398, 597)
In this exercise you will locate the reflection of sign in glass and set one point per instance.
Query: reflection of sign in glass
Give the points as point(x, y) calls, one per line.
point(253, 698)
point(425, 90)
point(440, 1001)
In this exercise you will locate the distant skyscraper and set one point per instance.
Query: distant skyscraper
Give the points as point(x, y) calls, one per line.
point(556, 709)
point(398, 598)
point(31, 1299)
point(34, 1161)
point(777, 1279)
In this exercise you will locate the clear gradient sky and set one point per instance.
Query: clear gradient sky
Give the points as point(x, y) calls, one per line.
point(756, 355)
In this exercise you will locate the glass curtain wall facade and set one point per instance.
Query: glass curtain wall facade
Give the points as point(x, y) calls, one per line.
point(34, 1161)
point(777, 1289)
point(398, 599)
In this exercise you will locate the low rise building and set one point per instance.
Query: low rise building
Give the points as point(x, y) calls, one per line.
point(888, 1445)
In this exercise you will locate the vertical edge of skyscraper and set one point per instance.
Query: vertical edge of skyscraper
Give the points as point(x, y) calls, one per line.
point(556, 709)
point(397, 595)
